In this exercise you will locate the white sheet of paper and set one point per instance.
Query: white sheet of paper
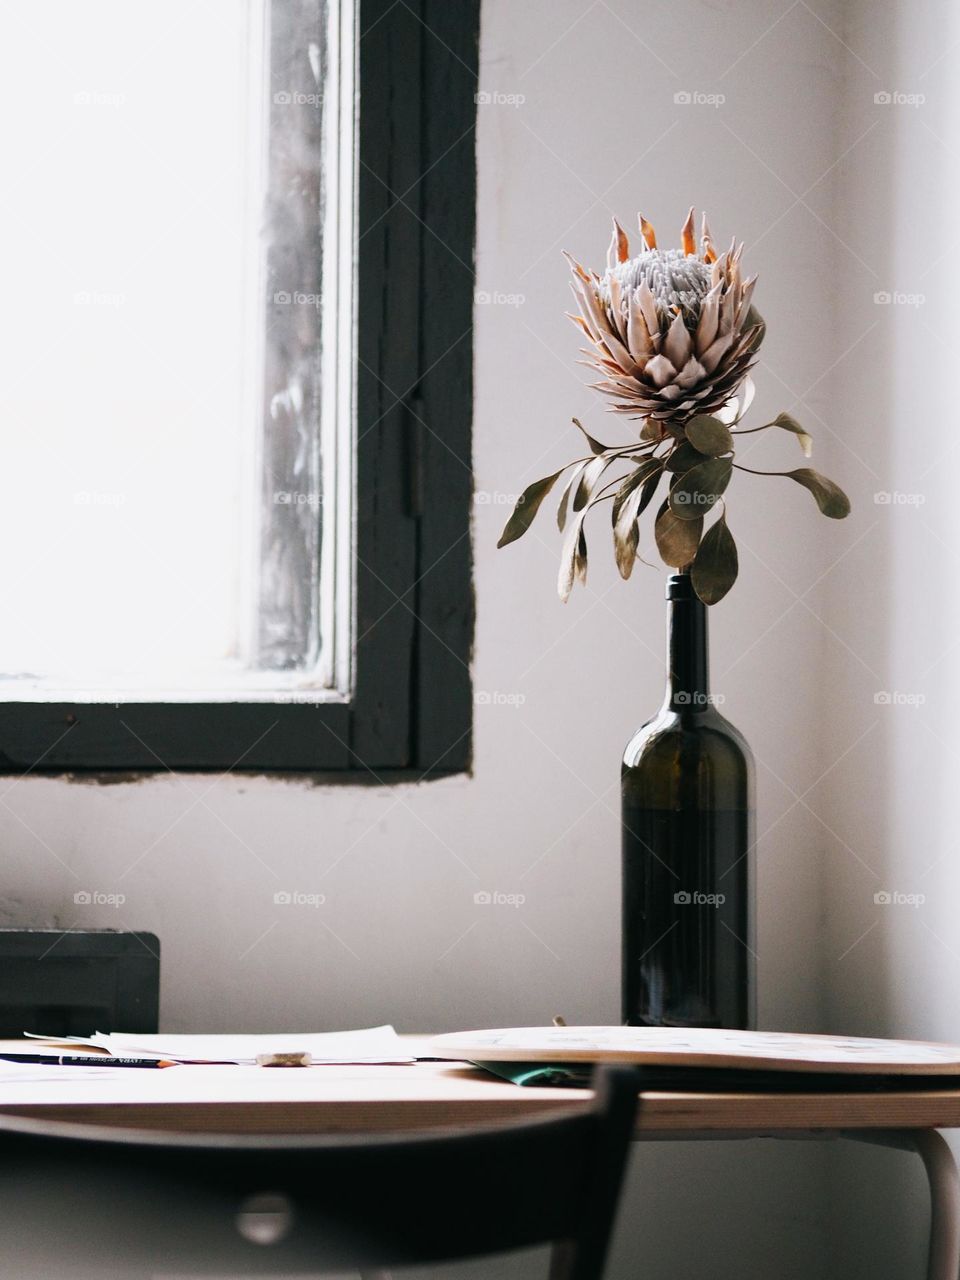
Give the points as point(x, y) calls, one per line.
point(373, 1045)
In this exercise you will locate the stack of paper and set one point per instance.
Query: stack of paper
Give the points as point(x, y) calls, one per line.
point(372, 1045)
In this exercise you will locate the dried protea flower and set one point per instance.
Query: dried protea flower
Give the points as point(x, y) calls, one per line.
point(674, 334)
point(671, 330)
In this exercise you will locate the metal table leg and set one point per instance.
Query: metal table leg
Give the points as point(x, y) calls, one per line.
point(943, 1259)
point(943, 1178)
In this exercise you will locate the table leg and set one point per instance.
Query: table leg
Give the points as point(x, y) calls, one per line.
point(943, 1259)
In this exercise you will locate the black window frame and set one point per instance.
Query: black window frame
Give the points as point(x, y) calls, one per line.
point(412, 707)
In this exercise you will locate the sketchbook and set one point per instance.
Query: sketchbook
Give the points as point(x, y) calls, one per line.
point(701, 1048)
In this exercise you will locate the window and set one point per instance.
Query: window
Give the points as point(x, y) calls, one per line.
point(236, 337)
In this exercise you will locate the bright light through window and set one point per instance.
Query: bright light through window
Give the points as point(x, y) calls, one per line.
point(175, 349)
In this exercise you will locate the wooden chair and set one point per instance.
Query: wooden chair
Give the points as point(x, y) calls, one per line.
point(82, 1201)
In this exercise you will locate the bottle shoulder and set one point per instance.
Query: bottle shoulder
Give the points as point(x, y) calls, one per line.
point(675, 747)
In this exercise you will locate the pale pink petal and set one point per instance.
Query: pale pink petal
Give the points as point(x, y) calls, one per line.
point(709, 320)
point(691, 373)
point(678, 345)
point(638, 338)
point(644, 295)
point(687, 241)
point(715, 352)
point(660, 371)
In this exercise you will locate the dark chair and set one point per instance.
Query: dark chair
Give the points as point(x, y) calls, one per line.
point(82, 1201)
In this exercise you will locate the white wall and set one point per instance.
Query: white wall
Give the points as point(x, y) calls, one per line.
point(399, 938)
point(894, 969)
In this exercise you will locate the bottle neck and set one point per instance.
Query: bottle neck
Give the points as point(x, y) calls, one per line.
point(687, 682)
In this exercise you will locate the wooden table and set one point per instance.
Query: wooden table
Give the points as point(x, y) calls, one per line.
point(357, 1099)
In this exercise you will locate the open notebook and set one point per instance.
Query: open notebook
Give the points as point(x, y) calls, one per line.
point(706, 1058)
point(371, 1045)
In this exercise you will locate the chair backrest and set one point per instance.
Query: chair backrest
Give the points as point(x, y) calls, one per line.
point(77, 1201)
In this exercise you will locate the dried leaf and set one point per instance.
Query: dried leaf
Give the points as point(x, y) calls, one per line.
point(573, 558)
point(528, 504)
point(728, 413)
point(649, 489)
point(789, 423)
point(588, 480)
point(756, 326)
point(715, 568)
point(651, 431)
point(683, 457)
point(626, 533)
point(572, 482)
point(633, 481)
point(696, 492)
point(677, 540)
point(709, 435)
point(595, 445)
point(580, 558)
point(748, 391)
point(831, 499)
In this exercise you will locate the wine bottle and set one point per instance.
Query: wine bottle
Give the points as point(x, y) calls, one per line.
point(688, 858)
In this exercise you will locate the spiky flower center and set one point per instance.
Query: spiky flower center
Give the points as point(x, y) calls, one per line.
point(675, 279)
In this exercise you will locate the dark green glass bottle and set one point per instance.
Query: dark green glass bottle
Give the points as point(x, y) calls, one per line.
point(688, 857)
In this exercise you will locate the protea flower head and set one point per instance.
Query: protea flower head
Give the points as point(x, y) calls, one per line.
point(673, 333)
point(671, 330)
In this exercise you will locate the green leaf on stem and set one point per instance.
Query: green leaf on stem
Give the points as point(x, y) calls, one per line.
point(649, 489)
point(635, 495)
point(831, 499)
point(692, 497)
point(572, 481)
point(528, 504)
point(626, 531)
point(573, 557)
point(677, 539)
point(709, 435)
point(755, 323)
point(588, 479)
point(789, 423)
point(683, 457)
point(595, 445)
point(715, 568)
point(633, 481)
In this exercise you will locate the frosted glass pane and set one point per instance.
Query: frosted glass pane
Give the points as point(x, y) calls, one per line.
point(164, 498)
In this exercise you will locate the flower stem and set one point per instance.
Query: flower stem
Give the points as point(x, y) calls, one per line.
point(740, 467)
